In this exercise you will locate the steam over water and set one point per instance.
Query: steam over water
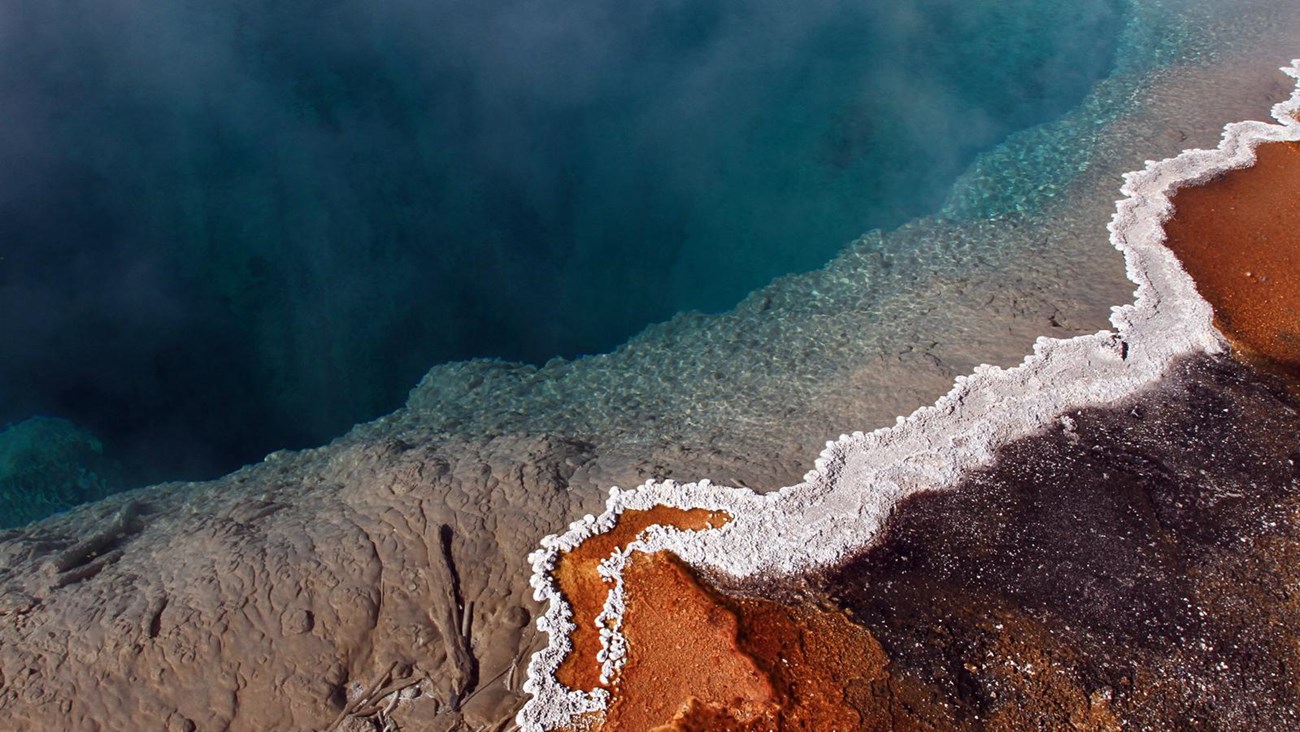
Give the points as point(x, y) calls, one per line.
point(227, 228)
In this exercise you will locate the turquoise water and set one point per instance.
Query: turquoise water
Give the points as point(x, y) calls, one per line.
point(234, 228)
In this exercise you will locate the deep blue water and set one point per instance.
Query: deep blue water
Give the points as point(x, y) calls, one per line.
point(232, 227)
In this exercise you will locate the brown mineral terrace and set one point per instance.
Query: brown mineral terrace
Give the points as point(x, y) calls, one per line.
point(1132, 567)
point(1238, 236)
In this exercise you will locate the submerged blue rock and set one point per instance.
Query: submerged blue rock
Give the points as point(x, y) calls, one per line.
point(235, 228)
point(49, 465)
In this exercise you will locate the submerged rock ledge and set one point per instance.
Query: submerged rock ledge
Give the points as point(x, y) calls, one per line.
point(842, 506)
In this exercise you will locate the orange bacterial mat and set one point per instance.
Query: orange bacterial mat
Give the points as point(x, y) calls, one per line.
point(1238, 236)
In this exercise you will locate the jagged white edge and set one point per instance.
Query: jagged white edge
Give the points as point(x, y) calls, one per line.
point(613, 646)
point(843, 503)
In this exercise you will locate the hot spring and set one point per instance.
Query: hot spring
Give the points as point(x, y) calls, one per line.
point(232, 228)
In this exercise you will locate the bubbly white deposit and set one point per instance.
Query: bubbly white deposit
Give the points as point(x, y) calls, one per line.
point(843, 503)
